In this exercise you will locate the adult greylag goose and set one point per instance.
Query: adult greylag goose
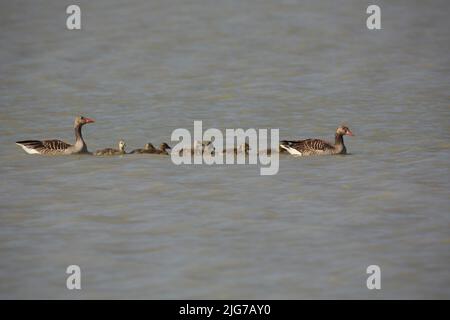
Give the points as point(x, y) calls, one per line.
point(111, 151)
point(58, 147)
point(310, 147)
point(148, 148)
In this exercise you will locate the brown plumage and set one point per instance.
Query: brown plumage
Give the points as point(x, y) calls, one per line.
point(200, 147)
point(58, 147)
point(310, 147)
point(148, 148)
point(163, 147)
point(243, 148)
point(111, 151)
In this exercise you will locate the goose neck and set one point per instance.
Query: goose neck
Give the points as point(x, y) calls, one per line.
point(338, 139)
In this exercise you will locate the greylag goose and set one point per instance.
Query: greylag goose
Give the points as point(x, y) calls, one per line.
point(163, 147)
point(243, 148)
point(58, 147)
point(207, 147)
point(310, 147)
point(200, 147)
point(111, 151)
point(148, 148)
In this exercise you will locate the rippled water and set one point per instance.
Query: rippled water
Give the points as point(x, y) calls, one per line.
point(141, 227)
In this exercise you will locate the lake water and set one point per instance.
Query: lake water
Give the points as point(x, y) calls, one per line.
point(141, 227)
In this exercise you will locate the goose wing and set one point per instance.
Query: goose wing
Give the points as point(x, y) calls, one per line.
point(301, 147)
point(42, 147)
point(56, 145)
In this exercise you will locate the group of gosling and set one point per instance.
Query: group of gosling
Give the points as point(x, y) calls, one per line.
point(148, 148)
point(204, 147)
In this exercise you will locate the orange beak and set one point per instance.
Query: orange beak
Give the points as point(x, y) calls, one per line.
point(349, 133)
point(88, 120)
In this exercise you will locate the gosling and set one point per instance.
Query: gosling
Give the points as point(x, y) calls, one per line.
point(148, 148)
point(112, 151)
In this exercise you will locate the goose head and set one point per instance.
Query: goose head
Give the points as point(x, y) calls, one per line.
point(164, 146)
point(80, 120)
point(206, 143)
point(244, 148)
point(343, 130)
point(149, 146)
point(208, 147)
point(197, 145)
point(122, 145)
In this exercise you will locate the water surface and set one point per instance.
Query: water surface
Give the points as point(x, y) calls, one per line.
point(141, 227)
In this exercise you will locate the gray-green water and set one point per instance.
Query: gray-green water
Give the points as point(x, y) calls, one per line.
point(141, 227)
